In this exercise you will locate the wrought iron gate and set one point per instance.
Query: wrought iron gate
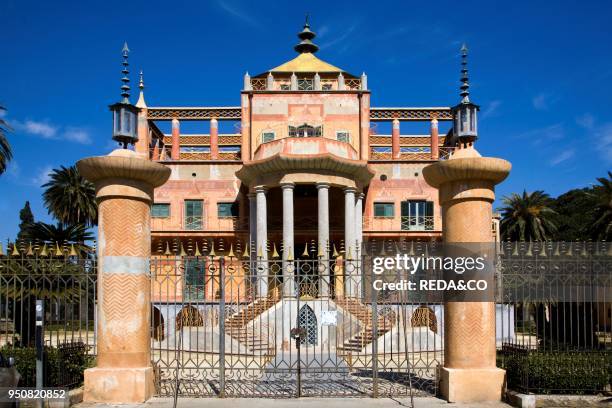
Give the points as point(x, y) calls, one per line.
point(221, 326)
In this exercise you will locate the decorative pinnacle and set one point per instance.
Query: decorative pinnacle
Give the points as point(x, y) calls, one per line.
point(465, 86)
point(141, 83)
point(125, 87)
point(306, 45)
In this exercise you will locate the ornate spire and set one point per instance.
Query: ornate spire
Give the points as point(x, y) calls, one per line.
point(306, 45)
point(465, 86)
point(125, 87)
point(141, 101)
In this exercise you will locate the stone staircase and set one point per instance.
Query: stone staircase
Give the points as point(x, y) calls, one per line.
point(237, 325)
point(365, 337)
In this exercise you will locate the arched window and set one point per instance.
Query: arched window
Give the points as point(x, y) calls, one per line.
point(189, 316)
point(308, 320)
point(423, 316)
point(157, 324)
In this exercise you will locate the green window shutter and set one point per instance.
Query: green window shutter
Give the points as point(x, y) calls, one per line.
point(383, 209)
point(429, 209)
point(160, 210)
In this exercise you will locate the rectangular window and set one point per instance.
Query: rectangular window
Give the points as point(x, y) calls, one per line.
point(160, 210)
point(417, 215)
point(229, 149)
point(194, 279)
point(326, 87)
point(267, 137)
point(343, 136)
point(195, 149)
point(415, 149)
point(227, 210)
point(285, 87)
point(384, 209)
point(193, 214)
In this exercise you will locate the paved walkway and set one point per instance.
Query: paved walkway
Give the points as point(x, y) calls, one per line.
point(420, 402)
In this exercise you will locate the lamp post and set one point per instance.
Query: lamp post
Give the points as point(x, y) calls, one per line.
point(125, 123)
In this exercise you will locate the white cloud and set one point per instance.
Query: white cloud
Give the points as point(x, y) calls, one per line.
point(587, 121)
point(77, 135)
point(342, 37)
point(42, 129)
point(50, 131)
point(603, 135)
point(545, 134)
point(43, 176)
point(561, 157)
point(238, 13)
point(541, 101)
point(12, 169)
point(491, 110)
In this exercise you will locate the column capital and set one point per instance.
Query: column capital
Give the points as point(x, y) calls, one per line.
point(123, 173)
point(360, 195)
point(260, 189)
point(322, 184)
point(287, 184)
point(350, 190)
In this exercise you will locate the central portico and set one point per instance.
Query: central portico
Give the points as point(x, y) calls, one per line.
point(305, 164)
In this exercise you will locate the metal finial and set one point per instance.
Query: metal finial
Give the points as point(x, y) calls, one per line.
point(141, 83)
point(306, 36)
point(465, 86)
point(125, 87)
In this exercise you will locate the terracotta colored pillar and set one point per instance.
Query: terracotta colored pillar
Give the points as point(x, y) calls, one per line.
point(435, 148)
point(466, 184)
point(124, 190)
point(144, 141)
point(214, 139)
point(245, 127)
point(155, 155)
point(175, 154)
point(364, 149)
point(395, 140)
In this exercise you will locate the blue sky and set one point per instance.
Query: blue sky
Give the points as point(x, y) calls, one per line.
point(541, 71)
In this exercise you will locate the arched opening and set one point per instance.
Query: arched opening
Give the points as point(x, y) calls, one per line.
point(308, 321)
point(423, 316)
point(157, 325)
point(189, 316)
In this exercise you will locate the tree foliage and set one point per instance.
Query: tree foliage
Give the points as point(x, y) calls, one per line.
point(527, 217)
point(70, 198)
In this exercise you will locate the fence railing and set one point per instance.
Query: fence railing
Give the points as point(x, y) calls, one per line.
point(65, 278)
point(556, 325)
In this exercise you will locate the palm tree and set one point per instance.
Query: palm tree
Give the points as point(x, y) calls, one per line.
point(50, 234)
point(70, 198)
point(602, 227)
point(5, 148)
point(527, 217)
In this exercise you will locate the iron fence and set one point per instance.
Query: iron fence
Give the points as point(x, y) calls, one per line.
point(64, 277)
point(556, 325)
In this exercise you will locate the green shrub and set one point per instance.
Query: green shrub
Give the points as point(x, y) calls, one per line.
point(559, 372)
point(63, 365)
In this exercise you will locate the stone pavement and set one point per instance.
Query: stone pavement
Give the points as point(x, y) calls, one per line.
point(420, 402)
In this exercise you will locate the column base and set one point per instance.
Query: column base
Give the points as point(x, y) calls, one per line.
point(118, 385)
point(472, 384)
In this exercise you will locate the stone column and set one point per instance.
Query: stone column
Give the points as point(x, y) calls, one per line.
point(262, 242)
point(214, 139)
point(288, 245)
point(323, 236)
point(395, 140)
point(175, 153)
point(466, 184)
point(349, 240)
point(359, 221)
point(252, 225)
point(435, 144)
point(124, 191)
